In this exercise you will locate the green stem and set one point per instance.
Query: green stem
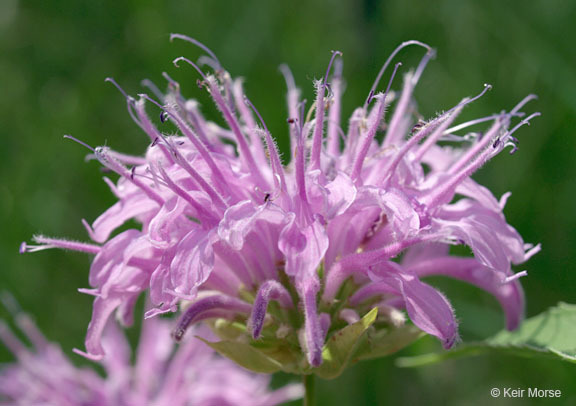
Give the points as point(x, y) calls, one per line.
point(309, 390)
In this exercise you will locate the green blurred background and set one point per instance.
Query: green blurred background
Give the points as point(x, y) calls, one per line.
point(54, 56)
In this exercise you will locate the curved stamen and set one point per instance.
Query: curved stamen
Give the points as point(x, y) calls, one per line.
point(319, 126)
point(436, 127)
point(269, 290)
point(471, 123)
point(383, 69)
point(272, 150)
point(111, 80)
point(200, 147)
point(332, 141)
point(208, 61)
point(189, 62)
point(300, 167)
point(525, 121)
point(243, 147)
point(103, 156)
point(502, 121)
point(198, 44)
point(147, 83)
point(443, 191)
point(215, 302)
point(131, 106)
point(69, 137)
point(394, 134)
point(523, 103)
point(292, 97)
point(373, 129)
point(199, 179)
point(171, 82)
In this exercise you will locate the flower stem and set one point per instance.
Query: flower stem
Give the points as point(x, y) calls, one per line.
point(309, 388)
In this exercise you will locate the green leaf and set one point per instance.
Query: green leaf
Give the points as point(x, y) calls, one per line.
point(338, 351)
point(245, 355)
point(547, 335)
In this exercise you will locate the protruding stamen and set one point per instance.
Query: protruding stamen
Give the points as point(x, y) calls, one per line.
point(111, 80)
point(272, 150)
point(245, 153)
point(198, 44)
point(103, 156)
point(188, 61)
point(332, 142)
point(200, 147)
point(373, 129)
point(393, 134)
point(477, 121)
point(147, 83)
point(464, 168)
point(300, 158)
point(45, 243)
point(525, 121)
point(319, 126)
point(385, 66)
point(171, 82)
point(69, 137)
point(522, 103)
point(436, 127)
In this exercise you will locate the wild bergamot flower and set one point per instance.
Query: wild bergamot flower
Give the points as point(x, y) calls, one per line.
point(191, 374)
point(290, 253)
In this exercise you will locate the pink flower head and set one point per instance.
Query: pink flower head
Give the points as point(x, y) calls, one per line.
point(193, 375)
point(227, 226)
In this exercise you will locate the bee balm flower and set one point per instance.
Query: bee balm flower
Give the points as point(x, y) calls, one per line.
point(191, 375)
point(295, 252)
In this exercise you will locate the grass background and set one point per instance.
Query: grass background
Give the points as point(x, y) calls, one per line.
point(55, 55)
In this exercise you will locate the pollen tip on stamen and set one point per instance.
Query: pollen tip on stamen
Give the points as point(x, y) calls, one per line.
point(23, 248)
point(177, 61)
